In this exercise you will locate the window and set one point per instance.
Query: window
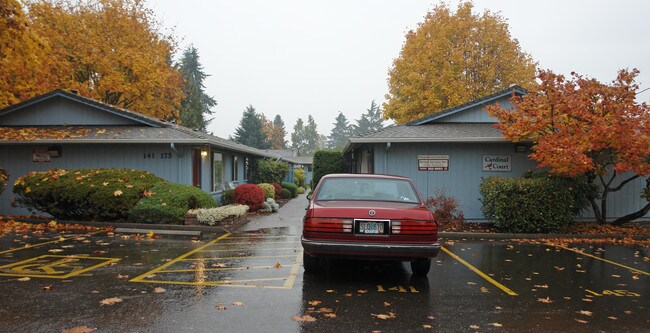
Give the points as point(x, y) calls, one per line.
point(235, 168)
point(217, 172)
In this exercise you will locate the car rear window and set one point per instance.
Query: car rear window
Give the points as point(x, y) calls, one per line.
point(374, 189)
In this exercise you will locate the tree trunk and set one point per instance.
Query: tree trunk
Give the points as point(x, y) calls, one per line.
point(594, 206)
point(632, 216)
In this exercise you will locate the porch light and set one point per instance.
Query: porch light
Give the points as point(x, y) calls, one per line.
point(204, 153)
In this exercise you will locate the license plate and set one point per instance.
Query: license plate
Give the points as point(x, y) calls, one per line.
point(371, 227)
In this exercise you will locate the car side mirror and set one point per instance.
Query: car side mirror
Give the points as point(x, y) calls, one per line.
point(309, 196)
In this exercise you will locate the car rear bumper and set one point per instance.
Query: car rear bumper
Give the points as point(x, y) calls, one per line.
point(398, 251)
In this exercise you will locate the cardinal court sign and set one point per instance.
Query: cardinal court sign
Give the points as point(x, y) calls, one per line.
point(497, 163)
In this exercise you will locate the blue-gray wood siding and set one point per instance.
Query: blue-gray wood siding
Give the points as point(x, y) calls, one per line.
point(62, 111)
point(476, 114)
point(466, 173)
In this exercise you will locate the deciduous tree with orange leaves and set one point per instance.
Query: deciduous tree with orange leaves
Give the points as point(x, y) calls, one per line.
point(582, 126)
point(109, 50)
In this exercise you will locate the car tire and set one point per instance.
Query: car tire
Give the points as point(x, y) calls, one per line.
point(310, 263)
point(421, 267)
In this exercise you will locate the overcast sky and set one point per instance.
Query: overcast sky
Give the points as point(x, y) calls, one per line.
point(301, 57)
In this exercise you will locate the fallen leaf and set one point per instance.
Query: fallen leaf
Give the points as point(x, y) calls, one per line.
point(581, 321)
point(484, 290)
point(390, 315)
point(498, 308)
point(495, 324)
point(612, 318)
point(215, 265)
point(587, 300)
point(220, 307)
point(635, 277)
point(159, 290)
point(348, 295)
point(541, 286)
point(277, 265)
point(47, 287)
point(362, 291)
point(330, 291)
point(616, 275)
point(110, 301)
point(325, 310)
point(23, 279)
point(55, 250)
point(314, 303)
point(78, 329)
point(120, 276)
point(330, 315)
point(386, 304)
point(474, 327)
point(237, 303)
point(586, 313)
point(471, 283)
point(427, 326)
point(545, 300)
point(305, 318)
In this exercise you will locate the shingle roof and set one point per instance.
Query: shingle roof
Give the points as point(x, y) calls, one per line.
point(440, 132)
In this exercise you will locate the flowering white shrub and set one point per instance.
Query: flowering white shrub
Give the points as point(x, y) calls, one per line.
point(211, 216)
point(270, 206)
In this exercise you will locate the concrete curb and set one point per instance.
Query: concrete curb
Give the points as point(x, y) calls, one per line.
point(506, 236)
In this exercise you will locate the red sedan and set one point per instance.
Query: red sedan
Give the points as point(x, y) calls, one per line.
point(369, 217)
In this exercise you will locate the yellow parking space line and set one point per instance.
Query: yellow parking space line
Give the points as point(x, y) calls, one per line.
point(255, 249)
point(175, 260)
point(220, 269)
point(481, 274)
point(220, 284)
point(253, 243)
point(29, 246)
point(261, 237)
point(239, 257)
point(294, 271)
point(601, 259)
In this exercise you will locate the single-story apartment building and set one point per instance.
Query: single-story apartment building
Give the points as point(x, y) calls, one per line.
point(453, 150)
point(64, 130)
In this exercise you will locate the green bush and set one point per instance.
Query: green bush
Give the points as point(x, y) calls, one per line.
point(300, 190)
point(91, 194)
point(269, 171)
point(299, 176)
point(327, 162)
point(269, 190)
point(226, 197)
point(285, 194)
point(167, 203)
point(291, 187)
point(528, 205)
point(3, 180)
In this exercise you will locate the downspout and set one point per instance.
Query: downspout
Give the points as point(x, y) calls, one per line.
point(178, 168)
point(386, 157)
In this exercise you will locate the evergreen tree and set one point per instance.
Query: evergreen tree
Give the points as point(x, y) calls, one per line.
point(340, 133)
point(250, 130)
point(371, 121)
point(278, 134)
point(196, 103)
point(298, 135)
point(311, 136)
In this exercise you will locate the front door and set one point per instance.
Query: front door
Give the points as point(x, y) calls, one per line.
point(196, 167)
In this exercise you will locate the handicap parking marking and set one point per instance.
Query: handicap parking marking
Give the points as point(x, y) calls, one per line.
point(635, 270)
point(480, 273)
point(60, 239)
point(199, 273)
point(55, 266)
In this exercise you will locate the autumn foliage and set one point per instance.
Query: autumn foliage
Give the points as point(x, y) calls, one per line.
point(109, 50)
point(250, 195)
point(582, 126)
point(452, 58)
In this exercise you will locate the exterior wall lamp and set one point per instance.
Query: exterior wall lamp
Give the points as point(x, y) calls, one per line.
point(204, 153)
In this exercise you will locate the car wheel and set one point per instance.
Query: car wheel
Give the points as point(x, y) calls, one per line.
point(310, 263)
point(421, 267)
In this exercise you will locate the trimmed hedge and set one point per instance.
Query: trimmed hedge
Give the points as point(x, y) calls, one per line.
point(300, 190)
point(327, 162)
point(269, 190)
point(269, 171)
point(285, 194)
point(299, 176)
point(291, 187)
point(250, 195)
point(278, 189)
point(91, 194)
point(226, 197)
point(529, 205)
point(168, 203)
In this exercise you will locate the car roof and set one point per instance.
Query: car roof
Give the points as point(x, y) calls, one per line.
point(364, 175)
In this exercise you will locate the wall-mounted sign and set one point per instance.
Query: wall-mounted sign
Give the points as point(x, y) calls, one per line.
point(40, 155)
point(497, 163)
point(433, 162)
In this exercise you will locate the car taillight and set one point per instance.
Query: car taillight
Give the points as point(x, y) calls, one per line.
point(320, 224)
point(414, 228)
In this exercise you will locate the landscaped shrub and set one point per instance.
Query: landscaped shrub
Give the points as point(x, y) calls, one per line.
point(226, 197)
point(168, 202)
point(269, 171)
point(534, 205)
point(300, 190)
point(278, 189)
point(291, 187)
point(327, 162)
point(250, 195)
point(269, 206)
point(269, 190)
point(91, 194)
point(445, 208)
point(299, 177)
point(211, 216)
point(285, 194)
point(3, 180)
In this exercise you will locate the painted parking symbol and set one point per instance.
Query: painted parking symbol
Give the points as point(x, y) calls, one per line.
point(55, 266)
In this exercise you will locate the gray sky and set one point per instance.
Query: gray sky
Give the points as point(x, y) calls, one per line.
point(300, 57)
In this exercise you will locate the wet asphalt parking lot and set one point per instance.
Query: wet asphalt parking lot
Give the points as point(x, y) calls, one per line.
point(252, 281)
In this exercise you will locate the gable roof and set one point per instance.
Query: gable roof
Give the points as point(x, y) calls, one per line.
point(147, 130)
point(514, 89)
point(442, 132)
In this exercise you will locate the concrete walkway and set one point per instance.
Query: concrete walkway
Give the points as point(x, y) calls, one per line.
point(289, 216)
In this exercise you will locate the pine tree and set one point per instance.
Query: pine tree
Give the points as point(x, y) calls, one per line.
point(298, 135)
point(311, 136)
point(371, 121)
point(250, 130)
point(196, 103)
point(340, 133)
